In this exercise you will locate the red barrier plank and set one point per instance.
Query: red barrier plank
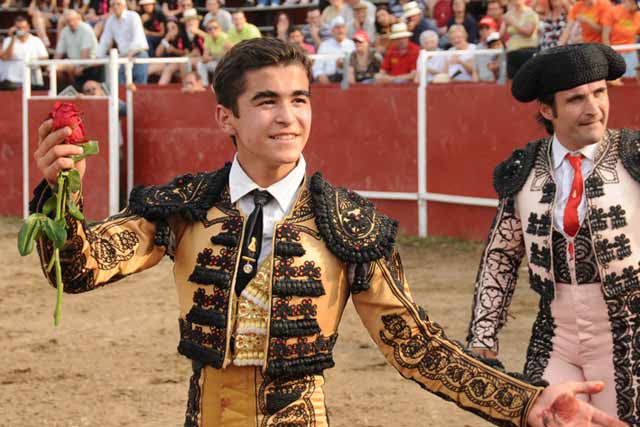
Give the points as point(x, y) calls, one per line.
point(96, 181)
point(11, 153)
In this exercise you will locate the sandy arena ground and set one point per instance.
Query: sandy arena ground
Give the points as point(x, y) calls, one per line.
point(113, 361)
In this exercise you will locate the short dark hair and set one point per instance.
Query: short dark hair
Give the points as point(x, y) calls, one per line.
point(21, 18)
point(229, 79)
point(549, 100)
point(313, 9)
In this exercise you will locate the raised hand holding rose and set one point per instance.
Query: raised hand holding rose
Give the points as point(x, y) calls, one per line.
point(62, 148)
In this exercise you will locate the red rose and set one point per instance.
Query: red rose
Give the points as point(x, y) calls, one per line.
point(66, 114)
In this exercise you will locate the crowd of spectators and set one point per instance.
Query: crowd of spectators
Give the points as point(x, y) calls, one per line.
point(353, 39)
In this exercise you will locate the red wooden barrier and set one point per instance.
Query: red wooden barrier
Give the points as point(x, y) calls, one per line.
point(364, 138)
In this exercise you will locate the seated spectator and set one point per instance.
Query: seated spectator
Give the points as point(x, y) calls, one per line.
point(396, 7)
point(622, 26)
point(215, 43)
point(153, 21)
point(590, 16)
point(461, 67)
point(125, 28)
point(191, 83)
point(495, 11)
point(242, 30)
point(193, 37)
point(336, 8)
point(486, 26)
point(361, 21)
point(172, 8)
point(552, 25)
point(416, 22)
point(314, 31)
point(436, 65)
point(44, 14)
point(384, 21)
point(365, 62)
point(351, 4)
point(171, 46)
point(328, 70)
point(442, 14)
point(20, 46)
point(214, 11)
point(184, 6)
point(488, 65)
point(399, 63)
point(461, 17)
point(77, 41)
point(296, 37)
point(282, 26)
point(94, 88)
point(97, 15)
point(520, 23)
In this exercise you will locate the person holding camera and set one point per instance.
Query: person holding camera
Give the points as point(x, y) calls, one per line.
point(18, 47)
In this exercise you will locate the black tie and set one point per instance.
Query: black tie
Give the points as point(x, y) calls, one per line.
point(252, 242)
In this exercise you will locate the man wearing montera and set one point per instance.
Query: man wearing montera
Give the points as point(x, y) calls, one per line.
point(570, 203)
point(265, 259)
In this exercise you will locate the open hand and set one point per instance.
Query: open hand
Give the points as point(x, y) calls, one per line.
point(557, 406)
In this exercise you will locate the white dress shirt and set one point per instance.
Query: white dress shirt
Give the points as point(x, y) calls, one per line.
point(284, 193)
point(32, 48)
point(127, 31)
point(563, 173)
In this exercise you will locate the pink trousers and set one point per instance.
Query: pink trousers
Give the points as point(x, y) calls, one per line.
point(583, 345)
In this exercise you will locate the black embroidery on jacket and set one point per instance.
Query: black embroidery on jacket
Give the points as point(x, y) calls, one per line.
point(195, 393)
point(544, 288)
point(548, 192)
point(540, 345)
point(189, 196)
point(629, 151)
point(540, 256)
point(349, 224)
point(616, 284)
point(618, 249)
point(598, 218)
point(510, 175)
point(587, 270)
point(539, 226)
point(594, 187)
point(286, 401)
point(301, 356)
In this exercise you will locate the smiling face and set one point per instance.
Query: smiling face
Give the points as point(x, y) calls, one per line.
point(238, 20)
point(274, 119)
point(580, 115)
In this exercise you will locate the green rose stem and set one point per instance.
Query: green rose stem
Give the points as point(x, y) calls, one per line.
point(40, 224)
point(62, 178)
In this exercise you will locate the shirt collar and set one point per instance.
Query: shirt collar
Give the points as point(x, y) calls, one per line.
point(283, 191)
point(559, 152)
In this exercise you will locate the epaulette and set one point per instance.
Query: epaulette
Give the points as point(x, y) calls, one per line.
point(630, 152)
point(189, 196)
point(510, 175)
point(350, 226)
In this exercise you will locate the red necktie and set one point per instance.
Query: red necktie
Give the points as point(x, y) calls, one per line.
point(571, 218)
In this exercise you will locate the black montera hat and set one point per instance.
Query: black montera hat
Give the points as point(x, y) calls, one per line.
point(565, 67)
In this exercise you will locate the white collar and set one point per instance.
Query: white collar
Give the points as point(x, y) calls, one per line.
point(284, 191)
point(559, 152)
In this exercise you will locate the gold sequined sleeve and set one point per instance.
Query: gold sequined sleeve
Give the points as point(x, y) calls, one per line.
point(102, 252)
point(420, 351)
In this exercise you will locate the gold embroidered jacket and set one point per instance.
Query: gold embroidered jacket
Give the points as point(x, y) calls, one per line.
point(607, 251)
point(333, 244)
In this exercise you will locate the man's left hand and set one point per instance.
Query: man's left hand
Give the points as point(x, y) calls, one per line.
point(558, 406)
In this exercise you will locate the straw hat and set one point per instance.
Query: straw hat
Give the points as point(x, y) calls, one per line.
point(400, 31)
point(143, 2)
point(360, 5)
point(411, 9)
point(190, 14)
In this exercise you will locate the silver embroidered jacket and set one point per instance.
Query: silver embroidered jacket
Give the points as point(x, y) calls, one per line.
point(607, 251)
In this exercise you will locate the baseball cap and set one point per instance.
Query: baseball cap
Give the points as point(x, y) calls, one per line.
point(495, 36)
point(361, 35)
point(488, 21)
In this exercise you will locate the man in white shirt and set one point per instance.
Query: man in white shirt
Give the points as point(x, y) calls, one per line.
point(18, 47)
point(265, 260)
point(124, 27)
point(329, 70)
point(570, 203)
point(215, 11)
point(77, 41)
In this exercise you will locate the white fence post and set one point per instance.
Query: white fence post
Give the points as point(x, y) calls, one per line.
point(26, 93)
point(114, 148)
